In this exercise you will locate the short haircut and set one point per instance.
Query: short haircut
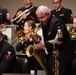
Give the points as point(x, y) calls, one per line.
point(43, 9)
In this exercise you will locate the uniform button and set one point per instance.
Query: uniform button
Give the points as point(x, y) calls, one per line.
point(17, 26)
point(21, 25)
point(22, 21)
point(25, 48)
point(25, 44)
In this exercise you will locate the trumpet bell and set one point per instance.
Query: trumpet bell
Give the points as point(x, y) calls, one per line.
point(21, 35)
point(73, 32)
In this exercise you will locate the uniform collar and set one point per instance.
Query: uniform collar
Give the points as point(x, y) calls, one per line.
point(59, 9)
point(28, 7)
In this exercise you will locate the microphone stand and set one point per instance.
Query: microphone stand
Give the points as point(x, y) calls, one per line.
point(55, 52)
point(55, 56)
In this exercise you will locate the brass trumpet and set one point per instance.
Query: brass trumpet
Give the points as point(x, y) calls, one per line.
point(32, 50)
point(39, 55)
point(72, 32)
point(26, 11)
point(22, 36)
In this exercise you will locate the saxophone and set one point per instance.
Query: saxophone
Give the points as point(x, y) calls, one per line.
point(56, 52)
point(38, 54)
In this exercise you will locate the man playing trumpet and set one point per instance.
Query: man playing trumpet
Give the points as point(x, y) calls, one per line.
point(25, 13)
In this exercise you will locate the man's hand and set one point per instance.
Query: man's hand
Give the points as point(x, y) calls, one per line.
point(40, 45)
point(23, 16)
point(18, 13)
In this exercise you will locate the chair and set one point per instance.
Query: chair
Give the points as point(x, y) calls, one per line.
point(21, 65)
point(74, 67)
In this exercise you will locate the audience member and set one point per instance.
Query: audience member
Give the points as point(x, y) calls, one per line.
point(7, 56)
point(56, 37)
point(5, 37)
point(62, 13)
point(74, 45)
point(4, 17)
point(74, 21)
point(29, 14)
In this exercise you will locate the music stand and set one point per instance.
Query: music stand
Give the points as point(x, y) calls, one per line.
point(8, 30)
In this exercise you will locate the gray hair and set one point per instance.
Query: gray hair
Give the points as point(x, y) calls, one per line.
point(43, 9)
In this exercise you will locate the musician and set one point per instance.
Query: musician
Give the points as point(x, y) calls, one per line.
point(74, 40)
point(5, 37)
point(62, 13)
point(30, 15)
point(74, 21)
point(28, 25)
point(7, 56)
point(4, 17)
point(22, 45)
point(74, 45)
point(55, 32)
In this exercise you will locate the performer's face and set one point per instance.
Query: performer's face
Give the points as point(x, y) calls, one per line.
point(44, 18)
point(28, 2)
point(27, 27)
point(74, 22)
point(57, 4)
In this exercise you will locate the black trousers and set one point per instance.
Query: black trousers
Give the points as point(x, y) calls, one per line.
point(64, 69)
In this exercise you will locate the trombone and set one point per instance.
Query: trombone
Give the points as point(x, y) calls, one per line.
point(22, 36)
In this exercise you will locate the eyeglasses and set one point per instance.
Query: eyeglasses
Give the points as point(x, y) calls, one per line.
point(56, 2)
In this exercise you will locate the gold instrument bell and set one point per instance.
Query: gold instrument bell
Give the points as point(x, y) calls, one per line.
point(21, 35)
point(31, 50)
point(72, 32)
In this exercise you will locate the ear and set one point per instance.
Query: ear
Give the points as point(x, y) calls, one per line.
point(30, 27)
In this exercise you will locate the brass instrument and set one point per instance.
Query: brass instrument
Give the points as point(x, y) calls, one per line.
point(55, 52)
point(27, 13)
point(22, 36)
point(72, 32)
point(56, 62)
point(38, 54)
point(32, 50)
